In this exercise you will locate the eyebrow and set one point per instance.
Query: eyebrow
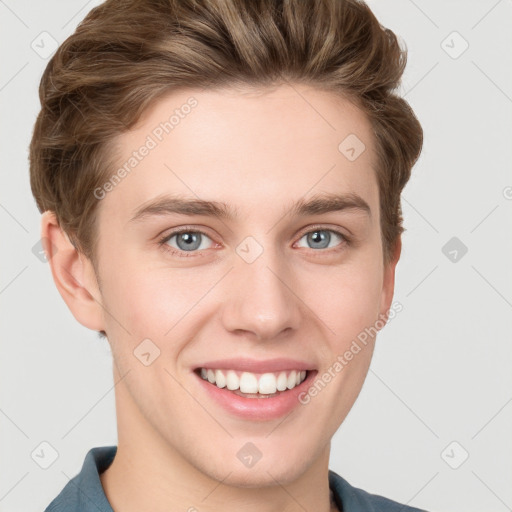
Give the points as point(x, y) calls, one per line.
point(317, 205)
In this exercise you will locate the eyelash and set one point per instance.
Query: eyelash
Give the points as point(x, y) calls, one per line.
point(162, 242)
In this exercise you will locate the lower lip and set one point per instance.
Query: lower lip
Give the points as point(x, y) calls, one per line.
point(258, 408)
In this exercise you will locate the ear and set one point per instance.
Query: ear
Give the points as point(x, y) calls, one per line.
point(73, 274)
point(388, 285)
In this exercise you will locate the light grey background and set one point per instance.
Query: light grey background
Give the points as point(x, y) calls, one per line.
point(441, 372)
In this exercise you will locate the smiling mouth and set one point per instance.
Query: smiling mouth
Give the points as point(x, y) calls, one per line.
point(253, 385)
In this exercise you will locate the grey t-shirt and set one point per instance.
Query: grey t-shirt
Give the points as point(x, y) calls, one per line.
point(84, 492)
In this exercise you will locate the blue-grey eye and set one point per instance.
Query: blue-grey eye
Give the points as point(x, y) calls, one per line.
point(321, 238)
point(188, 240)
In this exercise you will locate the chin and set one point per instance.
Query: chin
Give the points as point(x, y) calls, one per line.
point(265, 472)
point(261, 477)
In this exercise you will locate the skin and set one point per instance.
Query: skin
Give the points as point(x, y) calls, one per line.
point(258, 151)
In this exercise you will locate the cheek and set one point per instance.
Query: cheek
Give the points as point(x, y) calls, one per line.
point(159, 304)
point(150, 300)
point(347, 297)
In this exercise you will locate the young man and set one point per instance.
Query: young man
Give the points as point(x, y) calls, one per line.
point(220, 186)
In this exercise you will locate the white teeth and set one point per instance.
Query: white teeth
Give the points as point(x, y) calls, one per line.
point(281, 381)
point(292, 379)
point(267, 384)
point(220, 380)
point(232, 380)
point(247, 382)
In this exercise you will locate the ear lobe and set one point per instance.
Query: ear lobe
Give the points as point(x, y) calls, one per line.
point(73, 274)
point(388, 285)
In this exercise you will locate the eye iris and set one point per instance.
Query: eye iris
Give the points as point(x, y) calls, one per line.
point(190, 238)
point(320, 236)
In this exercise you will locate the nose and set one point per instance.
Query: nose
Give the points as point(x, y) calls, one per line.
point(260, 299)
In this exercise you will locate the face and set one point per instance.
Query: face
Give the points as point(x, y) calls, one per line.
point(281, 274)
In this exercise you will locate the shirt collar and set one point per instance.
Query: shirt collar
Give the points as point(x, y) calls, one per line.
point(84, 492)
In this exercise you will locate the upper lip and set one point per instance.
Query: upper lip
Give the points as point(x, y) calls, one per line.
point(257, 366)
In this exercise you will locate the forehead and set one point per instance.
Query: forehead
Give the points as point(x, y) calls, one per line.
point(255, 150)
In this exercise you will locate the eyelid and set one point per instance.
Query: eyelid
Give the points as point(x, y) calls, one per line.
point(323, 227)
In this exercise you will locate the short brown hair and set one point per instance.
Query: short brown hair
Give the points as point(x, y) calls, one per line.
point(126, 54)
